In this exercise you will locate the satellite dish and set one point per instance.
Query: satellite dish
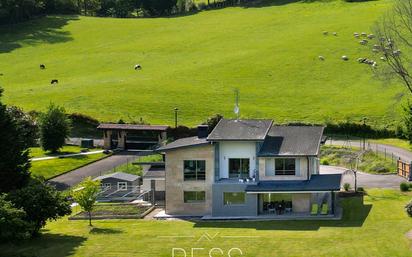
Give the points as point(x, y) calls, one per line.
point(236, 110)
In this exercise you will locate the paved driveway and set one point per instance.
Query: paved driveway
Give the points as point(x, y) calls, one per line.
point(365, 179)
point(95, 169)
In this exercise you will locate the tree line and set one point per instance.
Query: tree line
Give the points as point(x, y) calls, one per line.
point(14, 11)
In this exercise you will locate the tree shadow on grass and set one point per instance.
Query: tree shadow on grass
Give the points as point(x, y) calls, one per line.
point(38, 31)
point(46, 245)
point(95, 230)
point(354, 215)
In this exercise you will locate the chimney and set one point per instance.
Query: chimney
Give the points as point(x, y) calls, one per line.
point(202, 131)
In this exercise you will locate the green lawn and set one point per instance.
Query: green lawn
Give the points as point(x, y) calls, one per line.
point(36, 152)
point(376, 229)
point(114, 209)
point(270, 52)
point(53, 167)
point(137, 169)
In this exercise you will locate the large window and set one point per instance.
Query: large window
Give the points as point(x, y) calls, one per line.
point(194, 196)
point(238, 168)
point(231, 198)
point(275, 166)
point(285, 166)
point(194, 170)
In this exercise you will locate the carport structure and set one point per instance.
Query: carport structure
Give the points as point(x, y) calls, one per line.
point(132, 136)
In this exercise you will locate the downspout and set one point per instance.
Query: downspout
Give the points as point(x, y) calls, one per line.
point(307, 157)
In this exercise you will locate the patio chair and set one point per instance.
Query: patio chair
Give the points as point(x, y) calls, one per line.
point(315, 209)
point(324, 209)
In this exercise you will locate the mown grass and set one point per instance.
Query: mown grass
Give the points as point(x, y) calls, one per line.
point(135, 169)
point(36, 152)
point(114, 209)
point(194, 62)
point(375, 229)
point(53, 167)
point(369, 161)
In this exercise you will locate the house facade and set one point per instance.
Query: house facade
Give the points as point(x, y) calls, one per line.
point(248, 168)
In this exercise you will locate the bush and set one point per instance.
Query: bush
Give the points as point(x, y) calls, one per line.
point(408, 209)
point(324, 162)
point(362, 190)
point(41, 203)
point(346, 186)
point(12, 224)
point(404, 187)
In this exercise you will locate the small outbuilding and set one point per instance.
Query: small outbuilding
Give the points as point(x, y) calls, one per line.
point(132, 136)
point(119, 184)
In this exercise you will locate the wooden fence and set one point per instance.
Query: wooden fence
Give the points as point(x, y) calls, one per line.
point(404, 170)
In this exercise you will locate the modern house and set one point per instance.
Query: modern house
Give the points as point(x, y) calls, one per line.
point(248, 169)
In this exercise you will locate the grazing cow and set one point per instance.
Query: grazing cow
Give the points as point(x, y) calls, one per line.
point(54, 81)
point(42, 66)
point(137, 67)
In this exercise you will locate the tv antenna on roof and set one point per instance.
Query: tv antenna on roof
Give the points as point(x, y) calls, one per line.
point(237, 110)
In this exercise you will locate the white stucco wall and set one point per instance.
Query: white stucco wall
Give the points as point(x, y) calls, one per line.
point(236, 150)
point(159, 184)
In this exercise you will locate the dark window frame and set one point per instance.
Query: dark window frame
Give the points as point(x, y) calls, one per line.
point(197, 174)
point(241, 174)
point(227, 203)
point(286, 169)
point(200, 196)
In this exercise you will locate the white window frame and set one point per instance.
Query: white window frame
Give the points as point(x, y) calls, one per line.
point(107, 185)
point(122, 186)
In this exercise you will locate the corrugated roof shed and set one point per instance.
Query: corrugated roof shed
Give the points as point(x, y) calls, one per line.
point(111, 126)
point(119, 175)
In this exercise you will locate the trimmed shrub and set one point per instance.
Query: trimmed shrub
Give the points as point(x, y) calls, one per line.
point(325, 162)
point(408, 209)
point(404, 187)
point(346, 186)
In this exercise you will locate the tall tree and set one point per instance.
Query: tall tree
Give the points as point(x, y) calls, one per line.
point(26, 124)
point(86, 195)
point(14, 156)
point(54, 128)
point(394, 39)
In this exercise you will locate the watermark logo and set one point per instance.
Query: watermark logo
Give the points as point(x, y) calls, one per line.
point(202, 251)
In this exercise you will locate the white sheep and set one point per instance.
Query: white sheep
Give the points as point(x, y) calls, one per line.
point(325, 33)
point(371, 36)
point(363, 34)
point(322, 58)
point(345, 58)
point(335, 33)
point(137, 67)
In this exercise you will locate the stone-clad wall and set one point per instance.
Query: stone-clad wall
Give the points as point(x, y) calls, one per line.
point(175, 185)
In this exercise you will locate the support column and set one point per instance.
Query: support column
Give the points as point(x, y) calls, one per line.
point(107, 136)
point(122, 140)
point(333, 202)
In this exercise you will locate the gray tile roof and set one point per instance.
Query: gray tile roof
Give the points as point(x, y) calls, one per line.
point(292, 141)
point(183, 142)
point(154, 173)
point(119, 175)
point(245, 130)
point(329, 182)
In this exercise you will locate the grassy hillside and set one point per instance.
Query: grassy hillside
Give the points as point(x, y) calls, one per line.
point(270, 52)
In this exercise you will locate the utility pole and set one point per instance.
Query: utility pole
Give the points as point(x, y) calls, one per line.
point(176, 110)
point(364, 134)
